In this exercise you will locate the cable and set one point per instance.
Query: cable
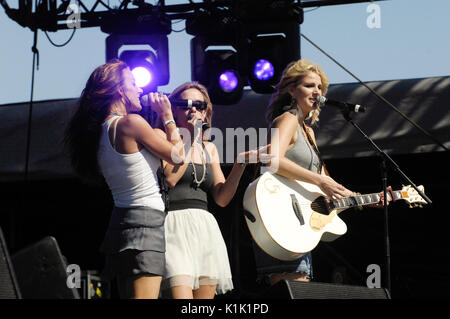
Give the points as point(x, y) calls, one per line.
point(376, 94)
point(30, 111)
point(306, 11)
point(60, 45)
point(18, 218)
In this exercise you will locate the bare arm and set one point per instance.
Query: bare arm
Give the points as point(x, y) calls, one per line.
point(161, 105)
point(282, 137)
point(134, 127)
point(174, 172)
point(223, 189)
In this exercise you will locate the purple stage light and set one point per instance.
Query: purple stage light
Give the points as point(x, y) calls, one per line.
point(142, 76)
point(263, 70)
point(228, 81)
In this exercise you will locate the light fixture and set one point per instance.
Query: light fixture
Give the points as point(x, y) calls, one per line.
point(263, 37)
point(215, 64)
point(263, 70)
point(268, 56)
point(229, 80)
point(144, 66)
point(149, 65)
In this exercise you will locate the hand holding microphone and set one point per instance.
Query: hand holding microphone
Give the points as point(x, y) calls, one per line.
point(158, 102)
point(186, 104)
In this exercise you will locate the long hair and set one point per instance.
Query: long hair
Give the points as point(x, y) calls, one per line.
point(282, 101)
point(176, 93)
point(82, 135)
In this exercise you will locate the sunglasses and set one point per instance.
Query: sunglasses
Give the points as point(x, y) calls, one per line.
point(188, 104)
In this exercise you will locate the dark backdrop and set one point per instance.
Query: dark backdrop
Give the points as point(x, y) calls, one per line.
point(77, 214)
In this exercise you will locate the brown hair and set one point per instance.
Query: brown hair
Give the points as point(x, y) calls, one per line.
point(82, 135)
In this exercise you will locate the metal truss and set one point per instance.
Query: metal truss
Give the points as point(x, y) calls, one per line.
point(54, 15)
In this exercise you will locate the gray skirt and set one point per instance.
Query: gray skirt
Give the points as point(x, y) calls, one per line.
point(134, 243)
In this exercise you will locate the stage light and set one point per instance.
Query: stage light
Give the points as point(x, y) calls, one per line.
point(263, 70)
point(264, 37)
point(228, 80)
point(271, 48)
point(215, 64)
point(266, 62)
point(143, 65)
point(224, 83)
point(150, 66)
point(142, 75)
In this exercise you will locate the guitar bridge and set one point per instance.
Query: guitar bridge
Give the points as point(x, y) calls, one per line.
point(297, 209)
point(322, 206)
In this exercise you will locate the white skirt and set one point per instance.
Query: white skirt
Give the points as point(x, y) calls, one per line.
point(195, 251)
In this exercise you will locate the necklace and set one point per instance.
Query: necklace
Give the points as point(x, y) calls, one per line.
point(195, 182)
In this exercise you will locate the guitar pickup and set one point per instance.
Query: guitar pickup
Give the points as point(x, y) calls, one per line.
point(297, 210)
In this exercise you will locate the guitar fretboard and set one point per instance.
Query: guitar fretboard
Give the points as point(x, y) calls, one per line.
point(361, 200)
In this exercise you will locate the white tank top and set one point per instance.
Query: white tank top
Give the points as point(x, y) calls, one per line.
point(131, 178)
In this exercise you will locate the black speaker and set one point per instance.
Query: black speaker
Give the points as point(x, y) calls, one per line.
point(289, 289)
point(9, 288)
point(41, 271)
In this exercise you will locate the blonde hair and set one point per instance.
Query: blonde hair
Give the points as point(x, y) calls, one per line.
point(282, 101)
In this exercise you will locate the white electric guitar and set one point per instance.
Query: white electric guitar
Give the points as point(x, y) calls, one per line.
point(288, 218)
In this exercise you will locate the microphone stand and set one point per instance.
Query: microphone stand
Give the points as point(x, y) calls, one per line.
point(384, 159)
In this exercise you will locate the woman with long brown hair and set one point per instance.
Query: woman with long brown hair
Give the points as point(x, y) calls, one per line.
point(107, 139)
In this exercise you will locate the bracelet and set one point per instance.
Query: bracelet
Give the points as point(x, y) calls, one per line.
point(168, 122)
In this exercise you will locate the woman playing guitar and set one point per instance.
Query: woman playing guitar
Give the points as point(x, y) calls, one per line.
point(292, 110)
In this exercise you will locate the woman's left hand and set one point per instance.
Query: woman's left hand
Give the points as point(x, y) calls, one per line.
point(160, 103)
point(255, 156)
point(380, 204)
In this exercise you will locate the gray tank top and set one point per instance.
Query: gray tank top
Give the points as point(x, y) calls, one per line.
point(303, 154)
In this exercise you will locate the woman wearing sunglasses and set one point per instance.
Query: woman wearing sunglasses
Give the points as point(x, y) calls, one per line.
point(197, 265)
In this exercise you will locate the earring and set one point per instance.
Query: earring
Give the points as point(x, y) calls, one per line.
point(293, 102)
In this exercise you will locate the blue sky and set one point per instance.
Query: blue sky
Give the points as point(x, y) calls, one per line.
point(411, 42)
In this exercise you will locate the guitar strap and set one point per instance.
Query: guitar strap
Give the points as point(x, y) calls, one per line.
point(257, 171)
point(322, 166)
point(316, 150)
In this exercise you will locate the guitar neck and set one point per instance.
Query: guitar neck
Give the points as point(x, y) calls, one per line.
point(362, 200)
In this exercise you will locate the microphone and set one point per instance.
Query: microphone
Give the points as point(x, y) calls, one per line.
point(343, 106)
point(205, 126)
point(206, 132)
point(205, 129)
point(187, 104)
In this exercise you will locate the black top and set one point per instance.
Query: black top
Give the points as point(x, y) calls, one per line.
point(186, 194)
